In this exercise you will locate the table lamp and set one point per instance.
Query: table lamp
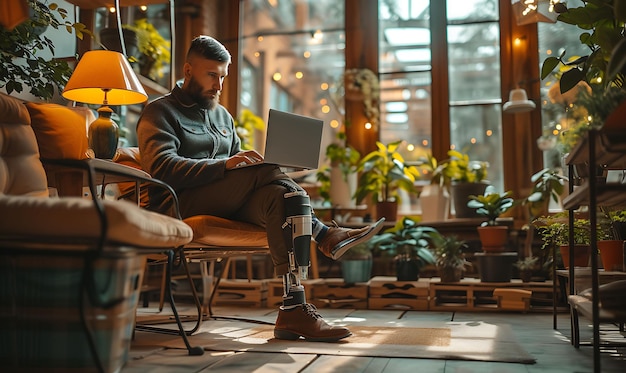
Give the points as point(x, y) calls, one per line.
point(104, 77)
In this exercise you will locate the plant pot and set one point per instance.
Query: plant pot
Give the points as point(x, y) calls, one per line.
point(356, 270)
point(612, 254)
point(407, 270)
point(526, 275)
point(451, 274)
point(387, 210)
point(496, 267)
point(435, 203)
point(620, 229)
point(110, 38)
point(460, 193)
point(342, 190)
point(493, 237)
point(582, 253)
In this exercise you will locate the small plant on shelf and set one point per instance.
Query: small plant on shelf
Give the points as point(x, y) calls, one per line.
point(450, 258)
point(409, 244)
point(491, 204)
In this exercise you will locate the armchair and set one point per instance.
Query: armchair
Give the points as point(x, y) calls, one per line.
point(71, 267)
point(214, 239)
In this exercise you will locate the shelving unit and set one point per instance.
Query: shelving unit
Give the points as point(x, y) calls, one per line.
point(599, 151)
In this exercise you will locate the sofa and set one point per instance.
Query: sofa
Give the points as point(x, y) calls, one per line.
point(70, 266)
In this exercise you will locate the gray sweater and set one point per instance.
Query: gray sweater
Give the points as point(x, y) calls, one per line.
point(183, 144)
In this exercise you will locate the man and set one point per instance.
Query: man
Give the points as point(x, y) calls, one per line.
point(188, 140)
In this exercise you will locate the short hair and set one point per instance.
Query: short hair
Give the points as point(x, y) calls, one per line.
point(209, 48)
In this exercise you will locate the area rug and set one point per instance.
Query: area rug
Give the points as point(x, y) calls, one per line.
point(476, 341)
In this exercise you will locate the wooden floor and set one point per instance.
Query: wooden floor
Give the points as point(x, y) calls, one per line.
point(551, 348)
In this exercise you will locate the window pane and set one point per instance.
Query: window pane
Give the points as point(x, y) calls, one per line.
point(477, 131)
point(405, 79)
point(474, 83)
point(474, 62)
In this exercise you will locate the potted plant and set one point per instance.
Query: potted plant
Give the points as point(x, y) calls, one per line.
point(344, 160)
point(491, 205)
point(382, 173)
point(526, 267)
point(356, 264)
point(20, 48)
point(548, 184)
point(434, 197)
point(465, 177)
point(449, 258)
point(154, 49)
point(409, 244)
point(554, 231)
point(611, 238)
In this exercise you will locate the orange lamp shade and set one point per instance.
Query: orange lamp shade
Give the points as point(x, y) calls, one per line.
point(104, 77)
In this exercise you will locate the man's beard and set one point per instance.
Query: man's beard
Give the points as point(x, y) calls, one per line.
point(197, 94)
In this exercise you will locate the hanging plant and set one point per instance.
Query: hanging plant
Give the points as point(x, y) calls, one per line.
point(362, 85)
point(21, 48)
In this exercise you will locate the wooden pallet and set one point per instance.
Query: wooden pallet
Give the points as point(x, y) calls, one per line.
point(241, 292)
point(473, 295)
point(335, 293)
point(275, 290)
point(387, 293)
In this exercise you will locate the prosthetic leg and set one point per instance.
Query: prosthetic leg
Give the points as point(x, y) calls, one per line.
point(297, 318)
point(298, 226)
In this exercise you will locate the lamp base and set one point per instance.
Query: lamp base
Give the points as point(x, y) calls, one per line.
point(103, 134)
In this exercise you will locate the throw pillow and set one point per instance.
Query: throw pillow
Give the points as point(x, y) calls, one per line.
point(60, 131)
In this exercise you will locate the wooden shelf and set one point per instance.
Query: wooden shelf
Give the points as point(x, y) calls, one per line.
point(92, 4)
point(607, 194)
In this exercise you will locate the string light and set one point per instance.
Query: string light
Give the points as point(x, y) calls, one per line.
point(368, 126)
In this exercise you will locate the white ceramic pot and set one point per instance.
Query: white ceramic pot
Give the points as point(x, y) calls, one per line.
point(342, 190)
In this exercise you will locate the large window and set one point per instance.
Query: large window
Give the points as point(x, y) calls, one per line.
point(473, 49)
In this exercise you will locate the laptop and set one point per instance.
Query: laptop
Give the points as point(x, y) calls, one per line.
point(292, 141)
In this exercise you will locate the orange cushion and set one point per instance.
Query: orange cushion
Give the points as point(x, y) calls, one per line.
point(60, 131)
point(210, 231)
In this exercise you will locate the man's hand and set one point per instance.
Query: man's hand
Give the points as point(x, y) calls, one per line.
point(243, 158)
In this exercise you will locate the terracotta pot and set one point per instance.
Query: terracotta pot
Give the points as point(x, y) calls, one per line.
point(387, 210)
point(582, 253)
point(493, 237)
point(612, 254)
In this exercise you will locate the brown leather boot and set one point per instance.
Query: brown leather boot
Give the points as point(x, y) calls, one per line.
point(337, 241)
point(305, 321)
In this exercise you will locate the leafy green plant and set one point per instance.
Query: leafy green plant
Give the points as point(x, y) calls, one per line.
point(21, 48)
point(548, 184)
point(459, 168)
point(602, 22)
point(407, 241)
point(341, 155)
point(527, 264)
point(245, 125)
point(448, 252)
point(154, 48)
point(554, 230)
point(358, 252)
point(491, 204)
point(383, 172)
